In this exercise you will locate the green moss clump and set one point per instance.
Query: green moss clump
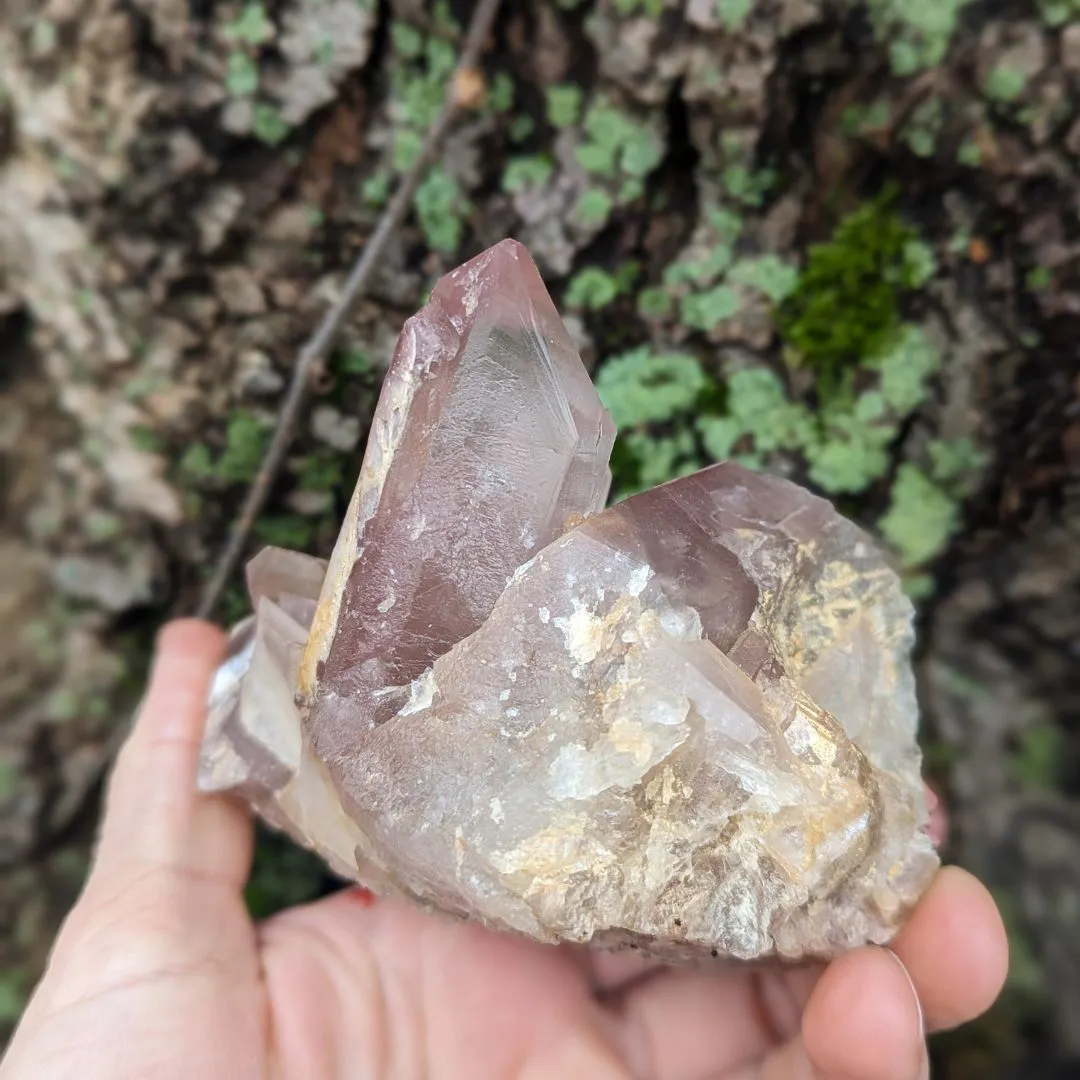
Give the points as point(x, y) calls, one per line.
point(246, 439)
point(846, 306)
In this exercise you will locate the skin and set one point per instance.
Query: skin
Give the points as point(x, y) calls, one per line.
point(158, 972)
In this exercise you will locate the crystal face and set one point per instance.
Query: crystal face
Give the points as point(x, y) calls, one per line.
point(487, 440)
point(685, 723)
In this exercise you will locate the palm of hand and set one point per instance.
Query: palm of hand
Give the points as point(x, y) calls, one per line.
point(159, 972)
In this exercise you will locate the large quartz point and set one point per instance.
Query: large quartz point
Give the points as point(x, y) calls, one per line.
point(685, 723)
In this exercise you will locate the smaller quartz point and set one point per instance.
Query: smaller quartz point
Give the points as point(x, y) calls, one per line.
point(685, 723)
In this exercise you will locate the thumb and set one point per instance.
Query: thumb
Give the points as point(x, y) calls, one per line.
point(154, 816)
point(169, 858)
point(159, 944)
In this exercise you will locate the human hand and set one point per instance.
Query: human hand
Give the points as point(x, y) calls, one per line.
point(158, 972)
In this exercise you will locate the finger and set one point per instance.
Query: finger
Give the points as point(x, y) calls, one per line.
point(154, 816)
point(956, 949)
point(862, 1022)
point(862, 1019)
point(684, 1023)
point(939, 817)
point(948, 964)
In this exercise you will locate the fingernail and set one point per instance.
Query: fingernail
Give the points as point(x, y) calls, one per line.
point(914, 992)
point(924, 1068)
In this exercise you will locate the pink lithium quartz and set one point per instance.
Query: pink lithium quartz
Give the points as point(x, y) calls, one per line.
point(685, 723)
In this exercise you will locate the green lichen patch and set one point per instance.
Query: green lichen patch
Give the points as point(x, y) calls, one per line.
point(643, 387)
point(421, 66)
point(921, 518)
point(918, 32)
point(617, 150)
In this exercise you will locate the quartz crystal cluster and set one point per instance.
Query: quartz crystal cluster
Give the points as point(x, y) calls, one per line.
point(684, 723)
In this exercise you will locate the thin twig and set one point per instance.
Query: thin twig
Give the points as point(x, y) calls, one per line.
point(318, 345)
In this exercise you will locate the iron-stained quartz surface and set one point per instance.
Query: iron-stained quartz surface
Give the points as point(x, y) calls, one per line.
point(686, 722)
